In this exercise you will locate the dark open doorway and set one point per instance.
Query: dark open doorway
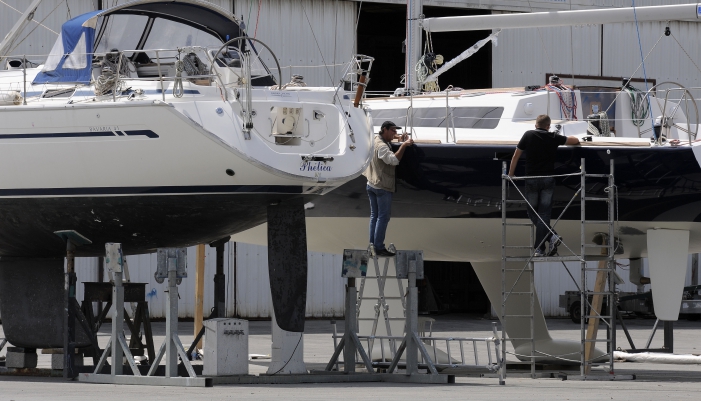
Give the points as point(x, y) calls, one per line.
point(382, 29)
point(451, 287)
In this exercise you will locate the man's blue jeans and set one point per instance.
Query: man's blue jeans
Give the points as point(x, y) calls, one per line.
point(539, 193)
point(380, 211)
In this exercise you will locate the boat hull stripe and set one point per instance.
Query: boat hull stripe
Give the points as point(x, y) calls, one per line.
point(146, 133)
point(195, 189)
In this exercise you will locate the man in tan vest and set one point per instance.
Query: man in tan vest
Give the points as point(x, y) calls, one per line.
point(380, 174)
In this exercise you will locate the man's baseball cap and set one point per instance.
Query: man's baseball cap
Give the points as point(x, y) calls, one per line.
point(389, 124)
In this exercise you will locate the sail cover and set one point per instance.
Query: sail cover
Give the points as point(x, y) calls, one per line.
point(71, 57)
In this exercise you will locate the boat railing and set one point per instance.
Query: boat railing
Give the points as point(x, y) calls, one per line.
point(356, 76)
point(162, 68)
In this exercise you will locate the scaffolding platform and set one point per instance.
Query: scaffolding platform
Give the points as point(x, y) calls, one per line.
point(519, 282)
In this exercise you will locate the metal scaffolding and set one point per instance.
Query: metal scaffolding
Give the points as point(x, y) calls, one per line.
point(519, 282)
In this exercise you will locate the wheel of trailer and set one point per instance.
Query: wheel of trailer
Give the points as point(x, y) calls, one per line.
point(576, 311)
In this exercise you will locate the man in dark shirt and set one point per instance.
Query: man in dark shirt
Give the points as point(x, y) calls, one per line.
point(540, 146)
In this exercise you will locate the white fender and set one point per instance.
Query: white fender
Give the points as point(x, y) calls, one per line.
point(667, 252)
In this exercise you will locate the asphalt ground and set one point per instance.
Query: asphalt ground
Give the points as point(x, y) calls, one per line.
point(653, 381)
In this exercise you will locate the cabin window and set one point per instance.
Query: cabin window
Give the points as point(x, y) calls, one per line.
point(122, 32)
point(58, 93)
point(78, 59)
point(167, 34)
point(435, 117)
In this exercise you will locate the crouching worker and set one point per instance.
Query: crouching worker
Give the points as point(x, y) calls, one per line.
point(380, 174)
point(541, 146)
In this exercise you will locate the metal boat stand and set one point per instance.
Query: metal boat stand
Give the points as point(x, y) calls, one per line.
point(101, 292)
point(72, 310)
point(355, 265)
point(219, 291)
point(172, 263)
point(409, 264)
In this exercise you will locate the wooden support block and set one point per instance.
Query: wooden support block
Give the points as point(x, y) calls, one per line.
point(596, 302)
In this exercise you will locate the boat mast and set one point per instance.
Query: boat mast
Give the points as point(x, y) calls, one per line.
point(8, 43)
point(414, 11)
point(683, 12)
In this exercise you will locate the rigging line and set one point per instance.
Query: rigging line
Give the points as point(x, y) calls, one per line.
point(687, 54)
point(34, 20)
point(37, 26)
point(357, 21)
point(335, 36)
point(647, 89)
point(634, 72)
point(250, 8)
point(409, 62)
point(572, 48)
point(542, 42)
point(317, 43)
point(257, 18)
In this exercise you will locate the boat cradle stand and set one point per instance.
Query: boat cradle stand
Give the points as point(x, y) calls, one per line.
point(171, 264)
point(101, 292)
point(355, 266)
point(409, 265)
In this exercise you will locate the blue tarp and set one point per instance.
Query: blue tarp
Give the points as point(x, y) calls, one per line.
point(71, 57)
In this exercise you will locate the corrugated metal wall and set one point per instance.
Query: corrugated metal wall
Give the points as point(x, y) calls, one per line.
point(250, 296)
point(552, 280)
point(50, 14)
point(247, 284)
point(524, 56)
point(297, 31)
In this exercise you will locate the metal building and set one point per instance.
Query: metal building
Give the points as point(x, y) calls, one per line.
point(314, 38)
point(247, 285)
point(248, 288)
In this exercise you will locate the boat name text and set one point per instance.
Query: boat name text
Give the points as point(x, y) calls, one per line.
point(311, 166)
point(103, 129)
